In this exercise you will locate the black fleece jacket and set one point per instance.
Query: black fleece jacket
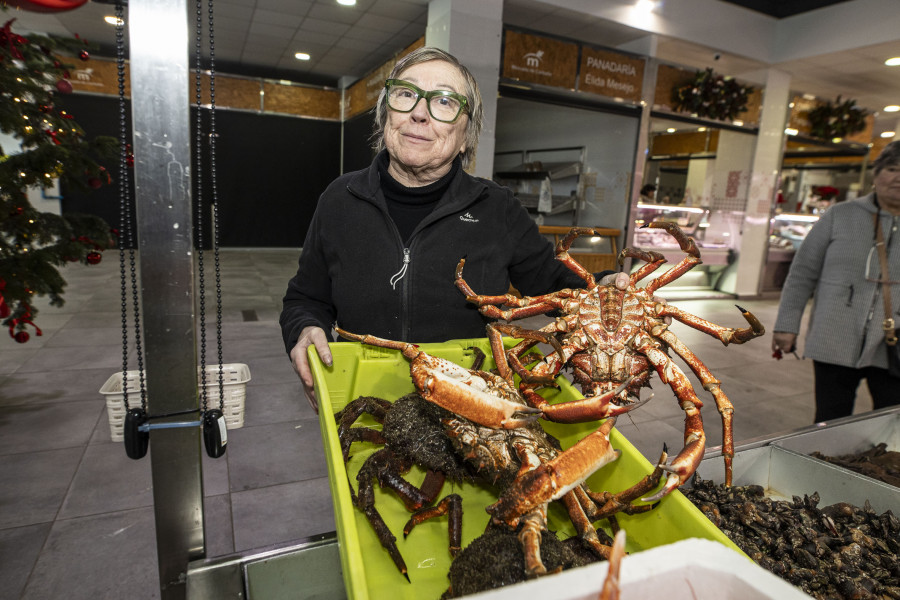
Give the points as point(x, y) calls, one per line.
point(355, 270)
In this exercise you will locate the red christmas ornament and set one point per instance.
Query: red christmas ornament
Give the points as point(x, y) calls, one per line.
point(64, 86)
point(83, 55)
point(93, 258)
point(95, 183)
point(4, 308)
point(21, 337)
point(45, 6)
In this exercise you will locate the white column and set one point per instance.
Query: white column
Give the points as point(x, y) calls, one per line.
point(765, 170)
point(472, 31)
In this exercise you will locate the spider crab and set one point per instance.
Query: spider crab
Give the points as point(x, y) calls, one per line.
point(613, 338)
point(495, 438)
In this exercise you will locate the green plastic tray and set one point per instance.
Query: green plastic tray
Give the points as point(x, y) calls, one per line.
point(369, 573)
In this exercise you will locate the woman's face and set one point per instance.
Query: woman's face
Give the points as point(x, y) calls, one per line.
point(422, 148)
point(887, 185)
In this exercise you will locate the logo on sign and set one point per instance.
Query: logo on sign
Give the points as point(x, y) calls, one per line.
point(533, 59)
point(86, 77)
point(532, 64)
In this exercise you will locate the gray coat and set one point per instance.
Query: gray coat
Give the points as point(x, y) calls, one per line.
point(830, 266)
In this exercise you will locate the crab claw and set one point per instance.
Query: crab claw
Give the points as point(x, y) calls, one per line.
point(479, 396)
point(475, 395)
point(591, 408)
point(555, 478)
point(681, 469)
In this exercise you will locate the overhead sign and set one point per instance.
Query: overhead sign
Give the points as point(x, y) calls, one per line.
point(611, 74)
point(540, 60)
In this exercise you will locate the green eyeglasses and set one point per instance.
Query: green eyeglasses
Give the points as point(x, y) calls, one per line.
point(443, 105)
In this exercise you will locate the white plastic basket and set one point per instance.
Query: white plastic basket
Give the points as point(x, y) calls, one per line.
point(234, 378)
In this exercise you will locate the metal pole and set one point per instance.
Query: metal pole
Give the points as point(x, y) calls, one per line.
point(158, 34)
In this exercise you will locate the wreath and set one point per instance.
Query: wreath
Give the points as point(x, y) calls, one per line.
point(838, 120)
point(712, 96)
point(825, 192)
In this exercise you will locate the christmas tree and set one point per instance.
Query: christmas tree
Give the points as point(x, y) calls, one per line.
point(34, 245)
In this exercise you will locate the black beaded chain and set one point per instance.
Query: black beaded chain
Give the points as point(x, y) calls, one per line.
point(126, 233)
point(198, 153)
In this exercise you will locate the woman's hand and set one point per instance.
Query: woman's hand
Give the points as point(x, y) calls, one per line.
point(310, 336)
point(782, 342)
point(622, 280)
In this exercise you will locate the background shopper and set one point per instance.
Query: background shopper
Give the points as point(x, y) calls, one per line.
point(838, 266)
point(381, 252)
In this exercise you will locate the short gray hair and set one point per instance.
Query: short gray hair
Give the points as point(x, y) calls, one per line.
point(889, 156)
point(475, 113)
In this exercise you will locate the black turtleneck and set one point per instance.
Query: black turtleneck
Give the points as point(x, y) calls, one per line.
point(409, 205)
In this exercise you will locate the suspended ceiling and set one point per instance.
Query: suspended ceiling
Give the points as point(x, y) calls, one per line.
point(829, 47)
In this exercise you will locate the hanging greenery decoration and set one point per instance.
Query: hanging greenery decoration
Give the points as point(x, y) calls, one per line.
point(712, 96)
point(838, 120)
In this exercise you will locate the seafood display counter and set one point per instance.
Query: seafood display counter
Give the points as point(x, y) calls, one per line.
point(368, 571)
point(801, 507)
point(785, 466)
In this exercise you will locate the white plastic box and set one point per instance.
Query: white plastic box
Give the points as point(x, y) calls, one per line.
point(692, 569)
point(234, 377)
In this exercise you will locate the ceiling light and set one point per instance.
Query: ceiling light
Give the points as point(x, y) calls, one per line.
point(891, 108)
point(888, 134)
point(644, 5)
point(791, 131)
point(670, 130)
point(113, 20)
point(893, 62)
point(302, 56)
point(347, 2)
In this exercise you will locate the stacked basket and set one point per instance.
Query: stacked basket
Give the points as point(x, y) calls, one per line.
point(234, 378)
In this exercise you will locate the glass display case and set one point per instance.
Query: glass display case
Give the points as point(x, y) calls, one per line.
point(713, 232)
point(786, 232)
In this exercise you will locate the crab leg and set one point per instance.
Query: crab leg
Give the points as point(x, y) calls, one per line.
point(527, 306)
point(562, 254)
point(727, 335)
point(555, 478)
point(583, 526)
point(476, 395)
point(686, 462)
point(585, 409)
point(606, 504)
point(654, 261)
point(610, 590)
point(450, 506)
point(711, 385)
point(687, 263)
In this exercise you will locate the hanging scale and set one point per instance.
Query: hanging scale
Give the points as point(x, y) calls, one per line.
point(137, 423)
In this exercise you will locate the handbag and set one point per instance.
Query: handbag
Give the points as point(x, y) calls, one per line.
point(888, 325)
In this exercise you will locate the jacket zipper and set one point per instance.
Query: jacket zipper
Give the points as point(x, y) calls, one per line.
point(396, 277)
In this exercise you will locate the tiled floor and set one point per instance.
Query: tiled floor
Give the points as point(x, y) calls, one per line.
point(76, 516)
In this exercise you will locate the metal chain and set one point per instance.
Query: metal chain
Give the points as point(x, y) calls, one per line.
point(213, 135)
point(126, 233)
point(199, 204)
point(198, 199)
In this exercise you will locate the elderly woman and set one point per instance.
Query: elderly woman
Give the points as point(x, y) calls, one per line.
point(838, 265)
point(381, 252)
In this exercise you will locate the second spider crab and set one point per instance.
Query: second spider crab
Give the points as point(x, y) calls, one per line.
point(613, 338)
